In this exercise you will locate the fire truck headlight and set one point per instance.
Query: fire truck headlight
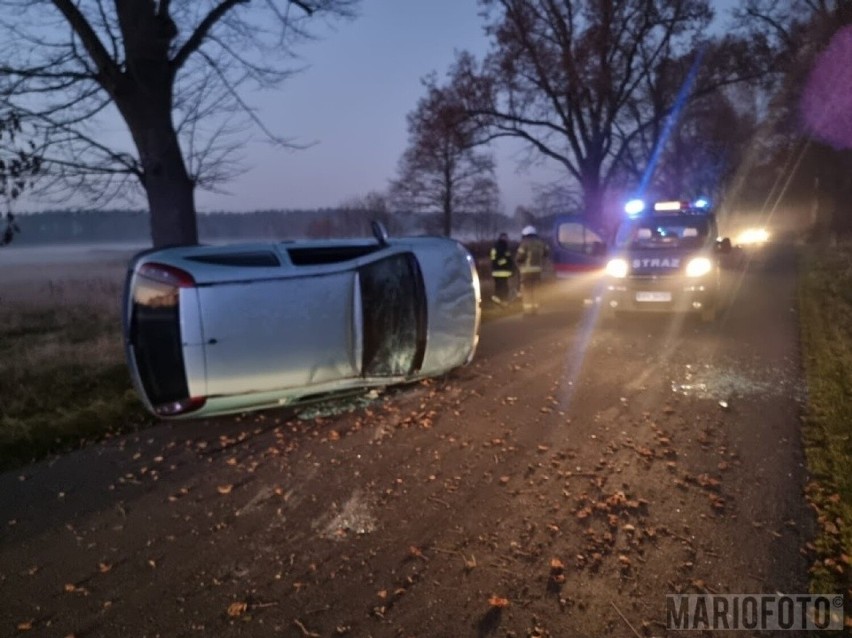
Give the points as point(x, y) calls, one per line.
point(698, 267)
point(617, 268)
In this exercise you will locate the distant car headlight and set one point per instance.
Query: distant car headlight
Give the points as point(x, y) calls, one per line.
point(753, 236)
point(617, 268)
point(698, 267)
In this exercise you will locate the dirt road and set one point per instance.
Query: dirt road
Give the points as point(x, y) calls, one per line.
point(561, 485)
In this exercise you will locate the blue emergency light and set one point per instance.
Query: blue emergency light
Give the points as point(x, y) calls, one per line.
point(634, 207)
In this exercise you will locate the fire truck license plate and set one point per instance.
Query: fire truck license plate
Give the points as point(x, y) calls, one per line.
point(653, 296)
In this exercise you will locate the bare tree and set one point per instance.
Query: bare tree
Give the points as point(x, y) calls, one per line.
point(441, 171)
point(177, 72)
point(358, 213)
point(705, 151)
point(805, 87)
point(575, 80)
point(20, 165)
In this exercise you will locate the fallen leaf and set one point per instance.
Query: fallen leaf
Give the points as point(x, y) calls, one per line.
point(704, 480)
point(25, 626)
point(104, 567)
point(225, 489)
point(496, 601)
point(556, 565)
point(235, 610)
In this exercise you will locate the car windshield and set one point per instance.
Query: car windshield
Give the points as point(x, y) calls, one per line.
point(662, 232)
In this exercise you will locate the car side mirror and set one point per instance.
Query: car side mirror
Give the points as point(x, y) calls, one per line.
point(724, 246)
point(379, 232)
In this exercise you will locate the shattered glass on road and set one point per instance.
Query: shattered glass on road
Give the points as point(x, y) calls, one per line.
point(354, 516)
point(713, 382)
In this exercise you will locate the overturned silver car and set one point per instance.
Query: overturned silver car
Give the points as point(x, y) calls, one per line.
point(222, 329)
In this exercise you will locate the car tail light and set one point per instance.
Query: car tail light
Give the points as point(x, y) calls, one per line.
point(183, 406)
point(167, 275)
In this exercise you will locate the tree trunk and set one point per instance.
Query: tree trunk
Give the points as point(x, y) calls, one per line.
point(143, 95)
point(170, 191)
point(593, 197)
point(842, 217)
point(171, 200)
point(448, 211)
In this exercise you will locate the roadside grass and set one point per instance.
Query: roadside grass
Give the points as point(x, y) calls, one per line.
point(63, 379)
point(825, 301)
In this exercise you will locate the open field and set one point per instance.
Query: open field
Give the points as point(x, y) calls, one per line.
point(63, 376)
point(63, 379)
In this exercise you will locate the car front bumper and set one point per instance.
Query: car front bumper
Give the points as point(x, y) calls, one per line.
point(668, 294)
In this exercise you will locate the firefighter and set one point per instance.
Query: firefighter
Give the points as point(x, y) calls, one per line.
point(530, 258)
point(502, 268)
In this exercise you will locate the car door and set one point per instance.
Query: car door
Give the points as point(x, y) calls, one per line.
point(394, 316)
point(275, 334)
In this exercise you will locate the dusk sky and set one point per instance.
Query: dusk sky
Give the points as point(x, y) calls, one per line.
point(349, 104)
point(363, 78)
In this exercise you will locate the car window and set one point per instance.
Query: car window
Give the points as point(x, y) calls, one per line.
point(156, 340)
point(256, 259)
point(317, 255)
point(662, 232)
point(577, 237)
point(393, 302)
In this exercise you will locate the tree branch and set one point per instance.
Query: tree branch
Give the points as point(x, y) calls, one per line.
point(194, 42)
point(107, 67)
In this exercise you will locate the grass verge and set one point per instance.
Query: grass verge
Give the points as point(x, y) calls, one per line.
point(63, 381)
point(825, 302)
